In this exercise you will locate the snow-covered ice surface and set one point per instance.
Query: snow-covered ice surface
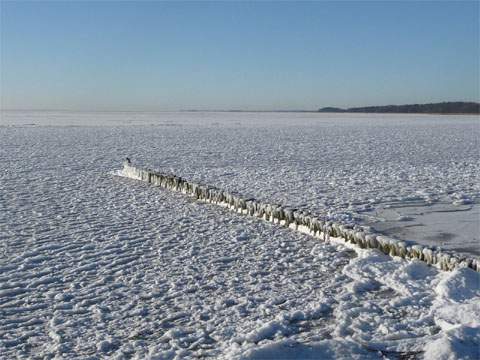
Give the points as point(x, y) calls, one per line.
point(449, 226)
point(94, 265)
point(392, 172)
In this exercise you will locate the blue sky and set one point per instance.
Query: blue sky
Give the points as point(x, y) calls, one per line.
point(236, 55)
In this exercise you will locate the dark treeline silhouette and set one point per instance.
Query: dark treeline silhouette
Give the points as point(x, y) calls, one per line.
point(458, 107)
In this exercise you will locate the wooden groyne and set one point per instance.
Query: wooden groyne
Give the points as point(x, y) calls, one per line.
point(301, 220)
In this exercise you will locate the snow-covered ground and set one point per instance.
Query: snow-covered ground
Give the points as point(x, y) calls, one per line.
point(94, 265)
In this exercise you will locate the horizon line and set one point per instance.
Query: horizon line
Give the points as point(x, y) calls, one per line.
point(231, 110)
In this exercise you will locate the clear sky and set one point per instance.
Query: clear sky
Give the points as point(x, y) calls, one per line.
point(241, 55)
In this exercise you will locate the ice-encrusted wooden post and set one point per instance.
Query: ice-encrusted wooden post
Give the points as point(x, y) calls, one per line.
point(299, 220)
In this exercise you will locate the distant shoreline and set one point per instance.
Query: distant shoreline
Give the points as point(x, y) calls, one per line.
point(236, 111)
point(443, 108)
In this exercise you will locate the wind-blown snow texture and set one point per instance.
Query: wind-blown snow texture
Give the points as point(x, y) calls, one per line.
point(96, 265)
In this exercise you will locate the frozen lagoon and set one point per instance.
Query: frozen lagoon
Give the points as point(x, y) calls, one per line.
point(85, 259)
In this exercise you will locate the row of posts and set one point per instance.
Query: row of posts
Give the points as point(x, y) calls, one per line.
point(302, 221)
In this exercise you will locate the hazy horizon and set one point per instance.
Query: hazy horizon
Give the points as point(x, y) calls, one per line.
point(165, 56)
point(209, 110)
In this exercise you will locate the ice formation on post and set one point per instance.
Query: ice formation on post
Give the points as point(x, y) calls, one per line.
point(301, 220)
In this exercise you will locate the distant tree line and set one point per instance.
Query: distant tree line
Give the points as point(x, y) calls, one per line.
point(458, 107)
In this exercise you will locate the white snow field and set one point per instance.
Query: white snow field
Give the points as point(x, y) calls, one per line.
point(97, 266)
